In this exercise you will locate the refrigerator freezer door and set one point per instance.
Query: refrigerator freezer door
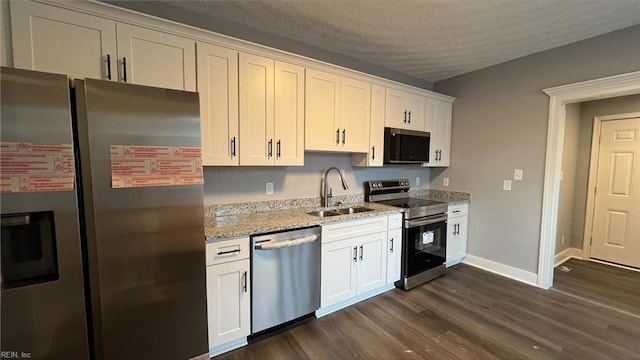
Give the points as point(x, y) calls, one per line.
point(145, 245)
point(43, 308)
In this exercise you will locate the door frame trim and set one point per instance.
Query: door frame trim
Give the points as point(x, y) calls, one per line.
point(593, 173)
point(612, 86)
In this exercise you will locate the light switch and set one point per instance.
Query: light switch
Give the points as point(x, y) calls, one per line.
point(445, 181)
point(517, 174)
point(506, 185)
point(269, 188)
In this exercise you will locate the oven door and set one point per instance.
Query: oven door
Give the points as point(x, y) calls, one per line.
point(425, 243)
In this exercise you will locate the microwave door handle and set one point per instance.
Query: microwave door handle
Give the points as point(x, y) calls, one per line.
point(415, 223)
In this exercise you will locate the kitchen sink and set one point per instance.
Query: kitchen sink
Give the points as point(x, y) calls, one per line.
point(352, 210)
point(324, 213)
point(340, 211)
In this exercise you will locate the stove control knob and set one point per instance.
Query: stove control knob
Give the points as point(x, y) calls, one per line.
point(379, 185)
point(374, 185)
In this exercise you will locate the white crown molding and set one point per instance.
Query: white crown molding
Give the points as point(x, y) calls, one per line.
point(112, 12)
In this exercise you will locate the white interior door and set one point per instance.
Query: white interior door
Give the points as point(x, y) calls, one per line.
point(616, 219)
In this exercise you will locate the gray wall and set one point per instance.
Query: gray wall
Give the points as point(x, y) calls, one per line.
point(589, 110)
point(500, 119)
point(225, 185)
point(221, 25)
point(568, 182)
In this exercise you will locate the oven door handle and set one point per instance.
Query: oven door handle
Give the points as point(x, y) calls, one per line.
point(433, 220)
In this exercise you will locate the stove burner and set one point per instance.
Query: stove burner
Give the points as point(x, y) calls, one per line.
point(409, 203)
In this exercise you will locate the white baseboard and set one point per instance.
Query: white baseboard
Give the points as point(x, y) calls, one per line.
point(221, 349)
point(346, 303)
point(567, 254)
point(510, 272)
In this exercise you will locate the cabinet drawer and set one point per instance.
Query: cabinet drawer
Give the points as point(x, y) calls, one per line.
point(226, 250)
point(395, 221)
point(458, 210)
point(350, 229)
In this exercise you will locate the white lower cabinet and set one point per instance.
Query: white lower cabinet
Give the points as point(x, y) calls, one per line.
point(394, 252)
point(457, 233)
point(355, 261)
point(228, 294)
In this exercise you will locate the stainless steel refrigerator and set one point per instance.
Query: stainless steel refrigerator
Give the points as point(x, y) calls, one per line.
point(96, 265)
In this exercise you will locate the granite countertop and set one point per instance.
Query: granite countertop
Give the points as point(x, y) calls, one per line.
point(218, 227)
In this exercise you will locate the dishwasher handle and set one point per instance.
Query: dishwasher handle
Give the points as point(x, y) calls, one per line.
point(275, 245)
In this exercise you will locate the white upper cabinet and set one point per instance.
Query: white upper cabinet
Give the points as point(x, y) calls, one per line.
point(51, 39)
point(438, 123)
point(375, 155)
point(289, 114)
point(337, 113)
point(271, 112)
point(355, 115)
point(218, 88)
point(256, 110)
point(322, 111)
point(47, 38)
point(153, 58)
point(404, 110)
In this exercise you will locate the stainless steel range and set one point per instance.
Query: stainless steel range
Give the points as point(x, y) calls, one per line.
point(424, 236)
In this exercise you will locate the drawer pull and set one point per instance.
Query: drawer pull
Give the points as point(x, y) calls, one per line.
point(228, 252)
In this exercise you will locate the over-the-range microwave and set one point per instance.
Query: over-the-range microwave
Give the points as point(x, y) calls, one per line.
point(405, 146)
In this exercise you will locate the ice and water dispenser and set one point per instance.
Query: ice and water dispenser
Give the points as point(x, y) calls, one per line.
point(28, 249)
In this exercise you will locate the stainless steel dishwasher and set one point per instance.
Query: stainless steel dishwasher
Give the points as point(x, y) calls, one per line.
point(286, 277)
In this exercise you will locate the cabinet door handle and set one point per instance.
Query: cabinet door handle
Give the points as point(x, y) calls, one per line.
point(278, 149)
point(409, 116)
point(233, 147)
point(355, 254)
point(244, 282)
point(270, 148)
point(338, 136)
point(405, 116)
point(361, 252)
point(391, 245)
point(124, 69)
point(344, 136)
point(108, 66)
point(228, 252)
point(373, 152)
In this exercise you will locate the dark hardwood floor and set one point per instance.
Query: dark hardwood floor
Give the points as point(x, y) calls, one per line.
point(609, 285)
point(467, 314)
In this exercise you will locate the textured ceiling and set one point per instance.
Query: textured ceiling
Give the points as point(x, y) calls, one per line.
point(427, 39)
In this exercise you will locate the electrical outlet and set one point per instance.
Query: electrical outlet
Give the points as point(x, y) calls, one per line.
point(506, 185)
point(445, 181)
point(417, 180)
point(269, 188)
point(517, 174)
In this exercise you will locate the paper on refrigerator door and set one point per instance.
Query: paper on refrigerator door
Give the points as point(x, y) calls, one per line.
point(30, 167)
point(427, 238)
point(145, 166)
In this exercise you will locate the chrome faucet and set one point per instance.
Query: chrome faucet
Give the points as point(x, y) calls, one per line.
point(327, 194)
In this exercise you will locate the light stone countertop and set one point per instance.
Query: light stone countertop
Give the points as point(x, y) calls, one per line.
point(219, 227)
